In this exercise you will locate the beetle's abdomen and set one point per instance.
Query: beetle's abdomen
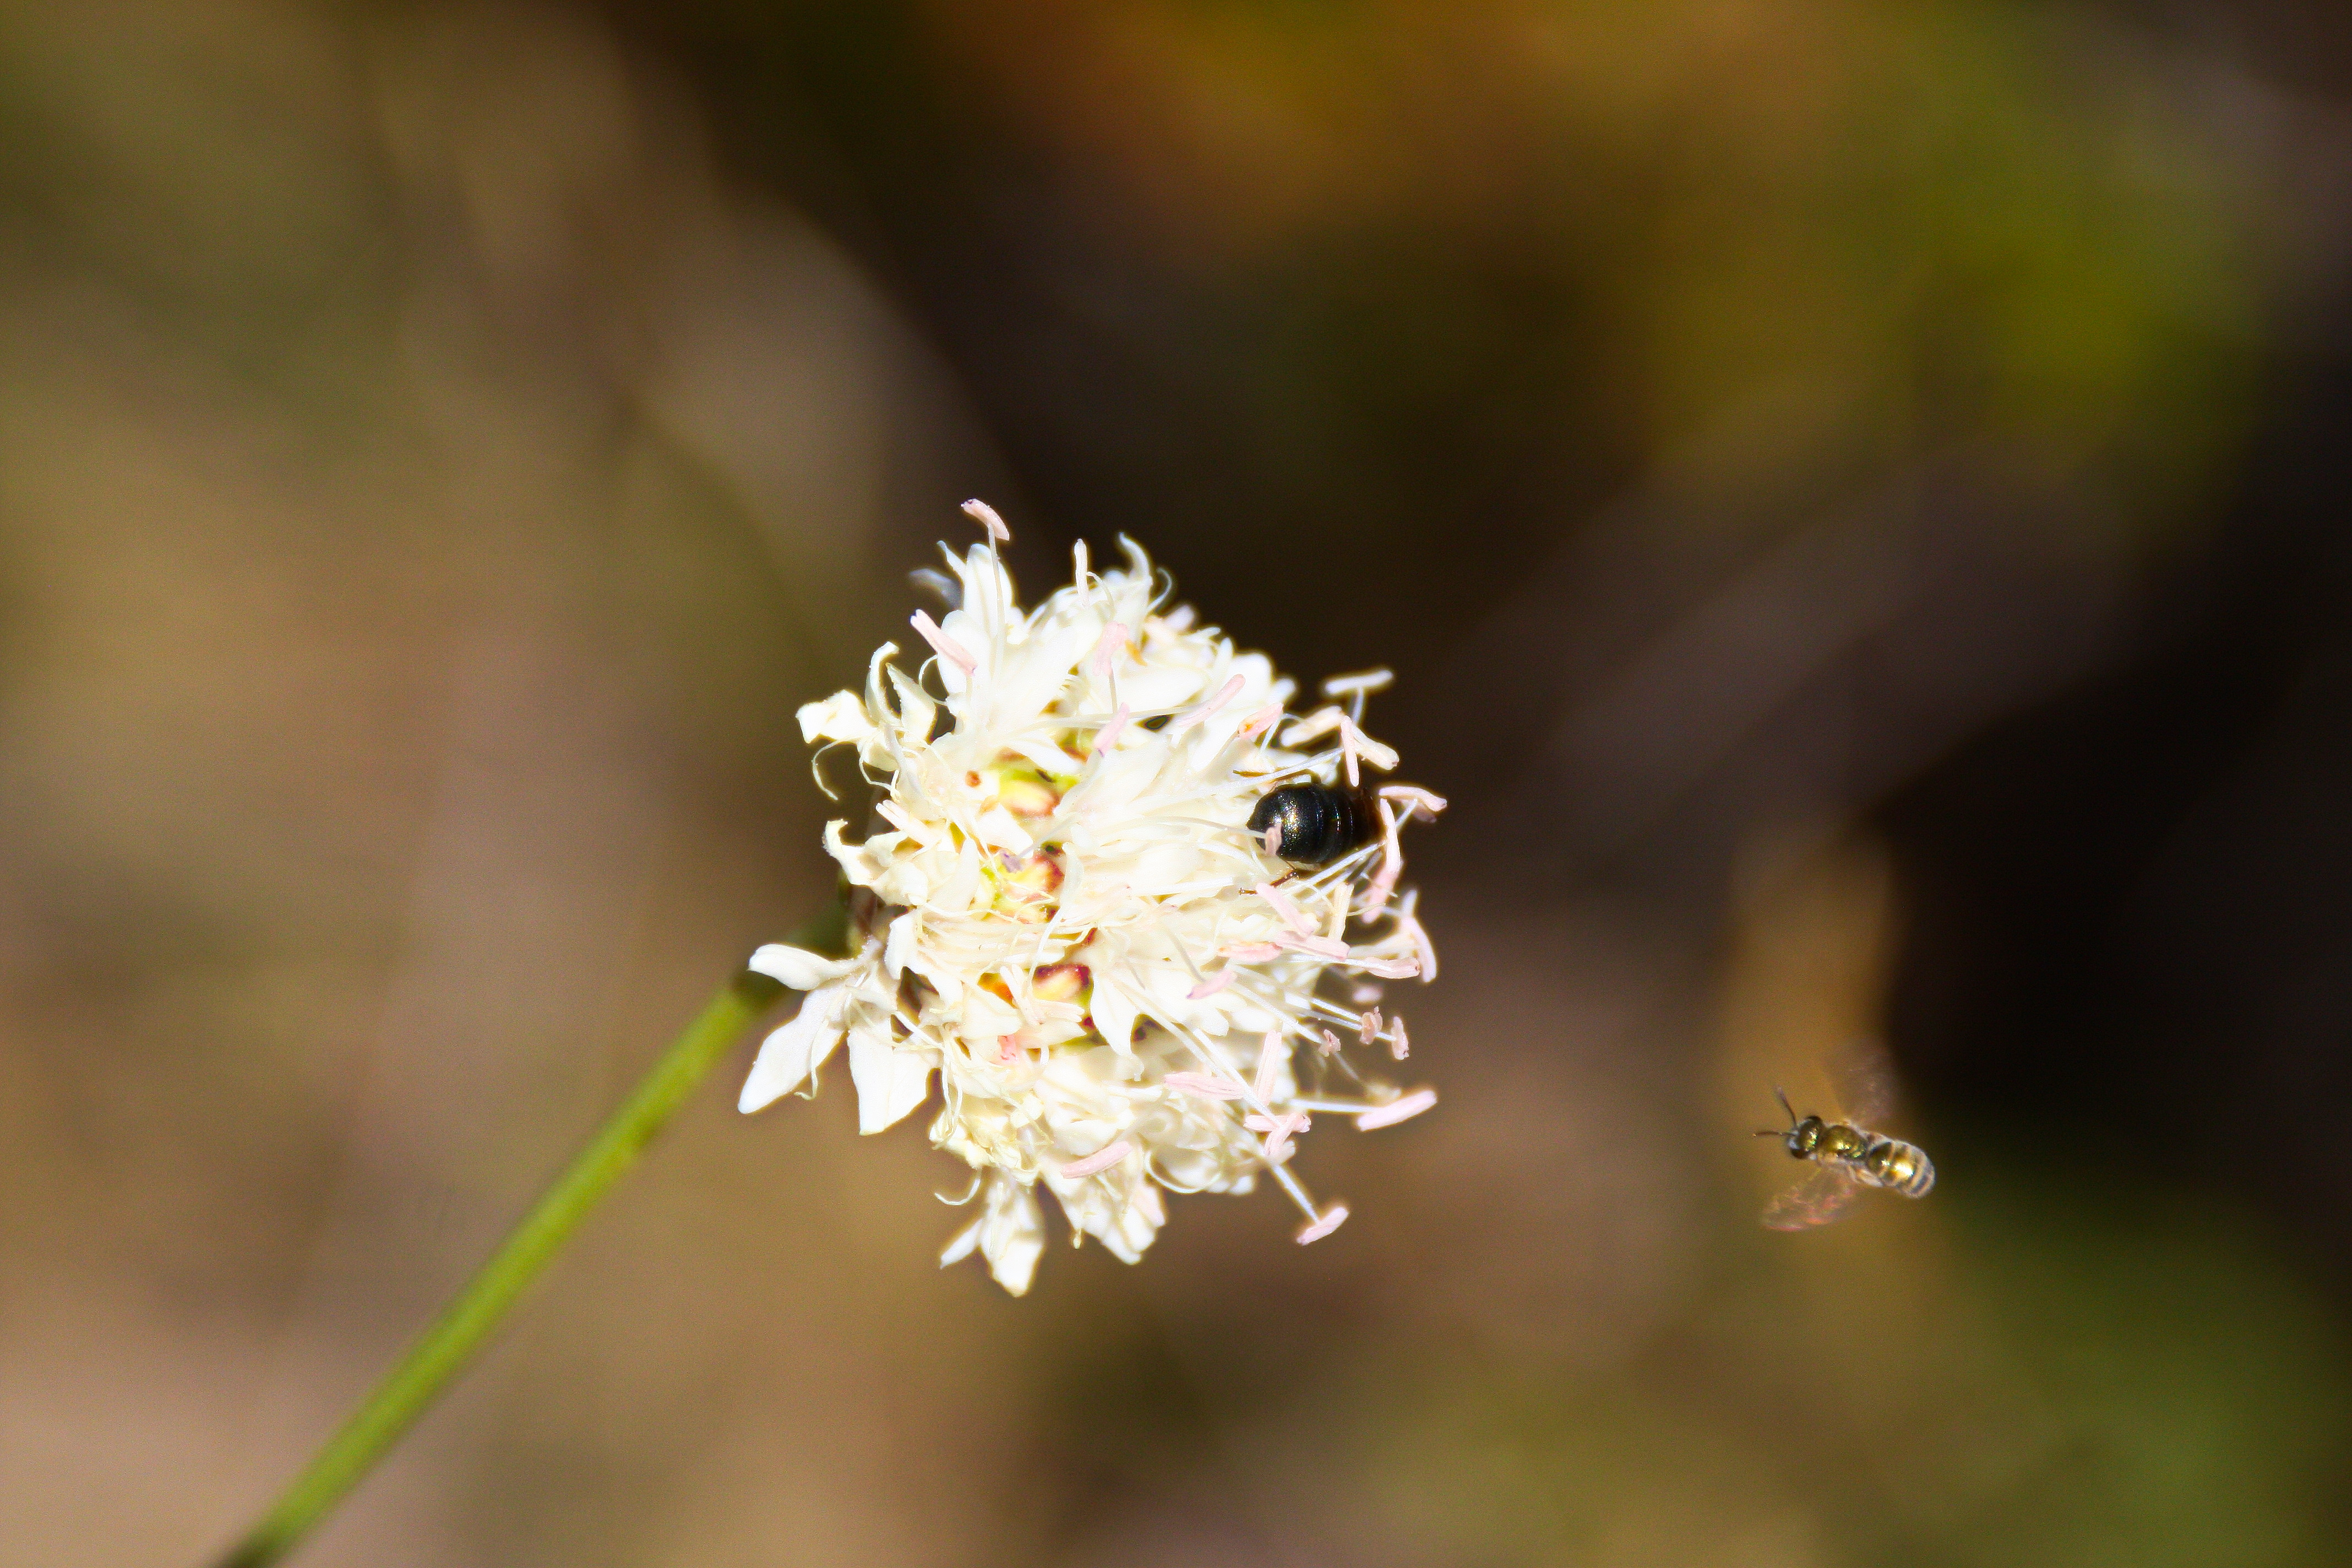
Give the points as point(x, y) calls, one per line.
point(1317, 823)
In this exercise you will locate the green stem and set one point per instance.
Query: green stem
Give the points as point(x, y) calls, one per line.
point(446, 1346)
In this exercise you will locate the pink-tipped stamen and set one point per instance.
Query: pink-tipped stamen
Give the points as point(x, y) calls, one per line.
point(946, 646)
point(1273, 839)
point(1352, 737)
point(1315, 726)
point(1384, 881)
point(1108, 736)
point(1425, 802)
point(1259, 722)
point(1368, 1029)
point(1280, 1129)
point(1102, 1159)
point(1251, 951)
point(1211, 986)
point(1421, 945)
point(1208, 711)
point(1320, 946)
point(1105, 644)
point(1329, 1221)
point(1402, 1108)
point(1399, 1043)
point(1330, 1042)
point(981, 512)
point(1287, 911)
point(1270, 1058)
point(1363, 683)
point(1203, 1085)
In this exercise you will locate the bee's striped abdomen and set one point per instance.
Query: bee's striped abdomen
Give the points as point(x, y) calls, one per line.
point(1897, 1167)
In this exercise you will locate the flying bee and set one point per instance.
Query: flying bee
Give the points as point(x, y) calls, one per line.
point(1846, 1157)
point(1317, 823)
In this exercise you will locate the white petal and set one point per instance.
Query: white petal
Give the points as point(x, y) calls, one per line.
point(791, 1054)
point(965, 1241)
point(840, 716)
point(1011, 1237)
point(891, 1079)
point(906, 936)
point(1114, 1013)
point(798, 968)
point(998, 830)
point(917, 712)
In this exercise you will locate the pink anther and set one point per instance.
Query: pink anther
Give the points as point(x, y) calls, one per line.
point(1404, 1108)
point(1352, 738)
point(946, 646)
point(1108, 736)
point(1259, 722)
point(1330, 1046)
point(1008, 1049)
point(1279, 1131)
point(1203, 1085)
point(1102, 1159)
point(1368, 1029)
point(1332, 1219)
point(1211, 986)
point(1315, 726)
point(1288, 911)
point(1105, 644)
point(1384, 881)
point(1320, 946)
point(1252, 952)
point(1360, 684)
point(1400, 1044)
point(1421, 945)
point(1270, 1058)
point(1208, 711)
point(981, 512)
point(1416, 798)
point(1273, 839)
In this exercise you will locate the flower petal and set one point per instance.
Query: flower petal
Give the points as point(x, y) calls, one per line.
point(892, 1079)
point(798, 968)
point(791, 1054)
point(1013, 1235)
point(1114, 1013)
point(840, 716)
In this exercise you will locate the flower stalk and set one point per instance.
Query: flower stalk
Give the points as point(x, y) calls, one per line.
point(444, 1349)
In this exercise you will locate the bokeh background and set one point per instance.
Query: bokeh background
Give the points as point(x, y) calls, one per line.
point(1855, 492)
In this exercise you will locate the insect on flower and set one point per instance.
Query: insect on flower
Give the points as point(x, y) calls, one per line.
point(1083, 903)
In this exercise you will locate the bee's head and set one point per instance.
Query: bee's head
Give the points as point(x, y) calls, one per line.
point(1805, 1137)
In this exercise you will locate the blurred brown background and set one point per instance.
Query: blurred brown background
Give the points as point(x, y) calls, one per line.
point(1855, 491)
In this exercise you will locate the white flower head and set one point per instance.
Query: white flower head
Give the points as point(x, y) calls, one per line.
point(1066, 914)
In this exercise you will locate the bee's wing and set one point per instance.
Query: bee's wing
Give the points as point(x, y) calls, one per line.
point(1820, 1196)
point(1867, 1087)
